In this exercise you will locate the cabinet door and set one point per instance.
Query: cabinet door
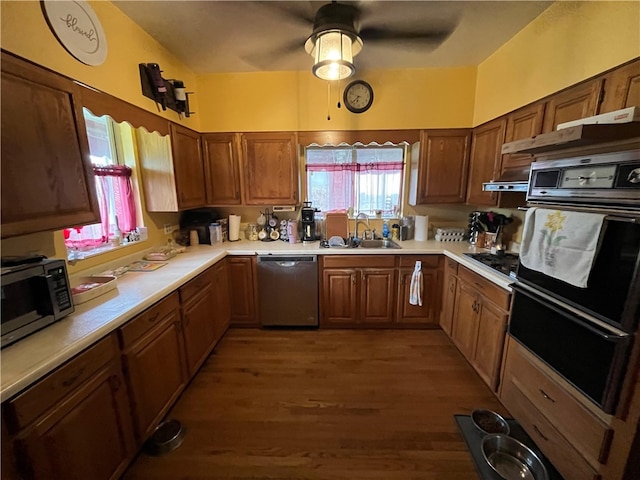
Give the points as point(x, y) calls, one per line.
point(448, 301)
point(47, 178)
point(416, 315)
point(622, 88)
point(154, 367)
point(198, 328)
point(187, 164)
point(492, 323)
point(377, 295)
point(465, 320)
point(441, 176)
point(486, 155)
point(270, 164)
point(87, 435)
point(339, 298)
point(577, 102)
point(523, 123)
point(242, 291)
point(222, 168)
point(220, 299)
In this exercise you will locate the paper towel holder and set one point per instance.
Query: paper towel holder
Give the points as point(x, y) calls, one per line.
point(229, 226)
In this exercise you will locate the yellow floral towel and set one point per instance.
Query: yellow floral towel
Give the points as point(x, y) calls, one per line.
point(561, 244)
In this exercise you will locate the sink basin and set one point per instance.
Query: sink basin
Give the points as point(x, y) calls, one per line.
point(378, 243)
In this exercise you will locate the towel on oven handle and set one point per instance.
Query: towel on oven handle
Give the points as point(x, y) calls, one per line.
point(561, 244)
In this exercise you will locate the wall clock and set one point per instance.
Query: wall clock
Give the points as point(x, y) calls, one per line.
point(77, 28)
point(358, 96)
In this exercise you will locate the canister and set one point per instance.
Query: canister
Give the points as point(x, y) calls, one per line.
point(215, 233)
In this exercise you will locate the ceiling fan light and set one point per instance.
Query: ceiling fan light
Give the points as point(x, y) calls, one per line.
point(333, 55)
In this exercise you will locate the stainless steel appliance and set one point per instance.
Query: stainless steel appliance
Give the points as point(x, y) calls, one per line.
point(35, 293)
point(505, 264)
point(586, 334)
point(288, 290)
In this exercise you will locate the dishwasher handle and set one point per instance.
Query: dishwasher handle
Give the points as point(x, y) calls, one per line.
point(286, 261)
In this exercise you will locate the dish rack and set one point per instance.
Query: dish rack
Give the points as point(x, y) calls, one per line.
point(450, 234)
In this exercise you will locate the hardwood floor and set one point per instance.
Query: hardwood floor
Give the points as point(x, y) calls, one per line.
point(326, 404)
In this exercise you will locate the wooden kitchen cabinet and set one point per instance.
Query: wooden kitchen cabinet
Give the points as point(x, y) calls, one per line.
point(579, 101)
point(449, 294)
point(221, 153)
point(622, 87)
point(485, 163)
point(270, 168)
point(358, 290)
point(188, 167)
point(525, 122)
point(47, 177)
point(479, 323)
point(221, 308)
point(241, 272)
point(75, 423)
point(572, 432)
point(439, 165)
point(427, 314)
point(154, 363)
point(198, 319)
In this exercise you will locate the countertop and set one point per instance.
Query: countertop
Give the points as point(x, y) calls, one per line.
point(31, 358)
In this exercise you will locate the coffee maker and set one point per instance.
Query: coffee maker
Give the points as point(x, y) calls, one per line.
point(308, 223)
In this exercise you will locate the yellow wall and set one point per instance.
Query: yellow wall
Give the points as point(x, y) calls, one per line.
point(409, 98)
point(567, 43)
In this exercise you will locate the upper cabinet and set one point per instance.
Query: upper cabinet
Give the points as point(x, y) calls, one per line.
point(222, 168)
point(270, 165)
point(47, 179)
point(439, 166)
point(576, 102)
point(622, 88)
point(188, 167)
point(525, 122)
point(486, 156)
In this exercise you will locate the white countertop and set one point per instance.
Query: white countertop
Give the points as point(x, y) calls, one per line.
point(31, 358)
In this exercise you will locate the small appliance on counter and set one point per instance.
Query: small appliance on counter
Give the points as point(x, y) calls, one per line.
point(198, 220)
point(308, 223)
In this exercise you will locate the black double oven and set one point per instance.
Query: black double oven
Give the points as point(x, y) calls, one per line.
point(586, 334)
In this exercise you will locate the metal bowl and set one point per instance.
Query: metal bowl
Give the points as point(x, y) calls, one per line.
point(511, 459)
point(488, 421)
point(167, 437)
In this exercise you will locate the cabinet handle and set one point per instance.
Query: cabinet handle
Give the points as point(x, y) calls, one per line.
point(540, 433)
point(353, 278)
point(70, 381)
point(544, 394)
point(451, 287)
point(114, 380)
point(153, 318)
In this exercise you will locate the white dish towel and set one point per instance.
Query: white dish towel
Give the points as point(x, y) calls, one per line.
point(415, 289)
point(561, 244)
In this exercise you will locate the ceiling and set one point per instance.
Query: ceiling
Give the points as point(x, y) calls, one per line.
point(246, 36)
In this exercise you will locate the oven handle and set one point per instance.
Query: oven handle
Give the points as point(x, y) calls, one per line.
point(609, 335)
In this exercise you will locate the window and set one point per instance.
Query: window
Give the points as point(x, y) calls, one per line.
point(363, 178)
point(116, 197)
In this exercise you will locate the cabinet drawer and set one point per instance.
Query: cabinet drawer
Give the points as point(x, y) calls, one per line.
point(196, 285)
point(27, 406)
point(133, 329)
point(555, 447)
point(451, 266)
point(489, 290)
point(428, 261)
point(588, 433)
point(356, 261)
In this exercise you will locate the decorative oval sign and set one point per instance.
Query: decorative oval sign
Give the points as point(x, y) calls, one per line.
point(78, 29)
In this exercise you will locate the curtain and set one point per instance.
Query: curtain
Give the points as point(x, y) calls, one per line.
point(118, 178)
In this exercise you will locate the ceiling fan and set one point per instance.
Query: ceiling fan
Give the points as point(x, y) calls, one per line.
point(337, 36)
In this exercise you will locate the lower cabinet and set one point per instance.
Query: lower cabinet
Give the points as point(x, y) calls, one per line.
point(357, 290)
point(154, 363)
point(241, 272)
point(425, 315)
point(479, 323)
point(449, 294)
point(573, 434)
point(221, 305)
point(75, 422)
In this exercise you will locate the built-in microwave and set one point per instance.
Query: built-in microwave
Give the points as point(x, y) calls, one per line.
point(34, 295)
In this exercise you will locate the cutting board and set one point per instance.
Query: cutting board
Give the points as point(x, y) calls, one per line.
point(337, 225)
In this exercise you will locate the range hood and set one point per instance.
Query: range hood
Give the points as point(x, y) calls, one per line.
point(512, 180)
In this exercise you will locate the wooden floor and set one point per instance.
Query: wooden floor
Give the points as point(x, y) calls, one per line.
point(326, 404)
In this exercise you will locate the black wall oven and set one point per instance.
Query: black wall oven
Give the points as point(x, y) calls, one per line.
point(586, 334)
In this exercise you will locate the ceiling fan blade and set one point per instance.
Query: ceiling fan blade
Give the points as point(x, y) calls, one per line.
point(377, 34)
point(302, 12)
point(265, 60)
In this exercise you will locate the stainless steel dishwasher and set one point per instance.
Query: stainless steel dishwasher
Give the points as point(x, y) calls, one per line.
point(288, 290)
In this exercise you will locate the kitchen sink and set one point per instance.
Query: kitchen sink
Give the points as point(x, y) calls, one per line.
point(378, 243)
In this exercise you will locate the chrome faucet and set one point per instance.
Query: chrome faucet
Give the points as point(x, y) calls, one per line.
point(360, 221)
